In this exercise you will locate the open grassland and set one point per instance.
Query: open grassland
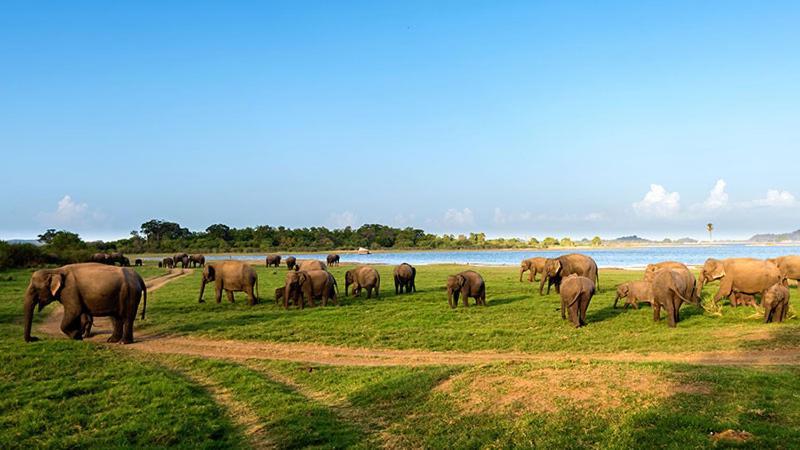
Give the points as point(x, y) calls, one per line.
point(58, 393)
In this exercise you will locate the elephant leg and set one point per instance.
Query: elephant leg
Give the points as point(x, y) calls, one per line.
point(656, 311)
point(116, 335)
point(465, 296)
point(71, 324)
point(218, 292)
point(574, 315)
point(127, 337)
point(563, 310)
point(229, 294)
point(584, 306)
point(725, 290)
point(672, 313)
point(86, 325)
point(483, 297)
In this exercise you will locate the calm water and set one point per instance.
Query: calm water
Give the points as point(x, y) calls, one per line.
point(622, 257)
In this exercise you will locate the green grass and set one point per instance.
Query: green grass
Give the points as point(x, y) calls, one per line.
point(57, 393)
point(516, 318)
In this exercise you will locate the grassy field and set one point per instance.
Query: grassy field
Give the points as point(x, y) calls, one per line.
point(58, 393)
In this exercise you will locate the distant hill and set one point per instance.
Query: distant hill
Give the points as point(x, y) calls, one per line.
point(686, 240)
point(771, 237)
point(631, 239)
point(24, 241)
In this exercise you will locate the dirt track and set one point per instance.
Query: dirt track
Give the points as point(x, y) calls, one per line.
point(348, 356)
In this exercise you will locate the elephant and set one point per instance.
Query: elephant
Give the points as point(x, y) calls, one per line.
point(126, 262)
point(88, 290)
point(231, 276)
point(740, 298)
point(534, 265)
point(776, 303)
point(362, 277)
point(671, 288)
point(310, 264)
point(137, 262)
point(404, 278)
point(291, 262)
point(635, 292)
point(118, 258)
point(168, 262)
point(181, 258)
point(102, 258)
point(197, 260)
point(650, 270)
point(788, 265)
point(273, 260)
point(746, 275)
point(556, 269)
point(309, 284)
point(576, 293)
point(466, 284)
point(160, 264)
point(333, 259)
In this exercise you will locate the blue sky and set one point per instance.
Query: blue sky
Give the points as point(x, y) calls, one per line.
point(512, 118)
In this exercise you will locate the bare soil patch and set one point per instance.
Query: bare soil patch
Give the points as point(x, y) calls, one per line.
point(731, 436)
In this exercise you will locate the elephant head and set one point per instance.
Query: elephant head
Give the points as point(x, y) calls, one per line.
point(622, 292)
point(349, 278)
point(552, 267)
point(209, 275)
point(44, 288)
point(454, 285)
point(296, 281)
point(713, 269)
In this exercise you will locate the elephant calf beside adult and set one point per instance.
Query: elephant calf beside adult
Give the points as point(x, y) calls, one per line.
point(776, 303)
point(303, 285)
point(556, 269)
point(405, 278)
point(230, 276)
point(466, 284)
point(634, 292)
point(532, 265)
point(362, 277)
point(88, 290)
point(745, 275)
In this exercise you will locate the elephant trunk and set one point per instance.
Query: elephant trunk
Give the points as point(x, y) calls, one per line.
point(30, 304)
point(287, 291)
point(346, 287)
point(701, 280)
point(616, 299)
point(450, 297)
point(202, 289)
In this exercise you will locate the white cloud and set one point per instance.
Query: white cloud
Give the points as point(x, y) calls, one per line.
point(594, 217)
point(404, 220)
point(658, 202)
point(455, 217)
point(717, 198)
point(71, 213)
point(776, 198)
point(343, 219)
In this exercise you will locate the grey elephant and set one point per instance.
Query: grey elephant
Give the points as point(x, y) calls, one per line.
point(776, 303)
point(634, 292)
point(273, 260)
point(291, 262)
point(576, 293)
point(197, 260)
point(671, 289)
point(138, 262)
point(182, 259)
point(230, 276)
point(303, 285)
point(405, 278)
point(362, 277)
point(555, 269)
point(788, 265)
point(532, 265)
point(310, 264)
point(650, 270)
point(102, 258)
point(88, 290)
point(333, 259)
point(745, 275)
point(168, 262)
point(466, 284)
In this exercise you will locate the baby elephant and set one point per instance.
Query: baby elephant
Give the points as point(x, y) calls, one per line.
point(776, 303)
point(635, 292)
point(466, 284)
point(576, 293)
point(740, 298)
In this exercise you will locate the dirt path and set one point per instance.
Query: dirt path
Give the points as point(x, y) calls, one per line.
point(349, 356)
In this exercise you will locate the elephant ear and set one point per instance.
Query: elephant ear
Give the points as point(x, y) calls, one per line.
point(557, 266)
point(210, 273)
point(302, 278)
point(56, 283)
point(460, 280)
point(623, 288)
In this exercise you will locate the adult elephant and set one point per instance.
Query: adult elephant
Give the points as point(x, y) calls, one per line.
point(118, 258)
point(466, 284)
point(138, 262)
point(671, 289)
point(102, 258)
point(534, 265)
point(310, 264)
point(404, 278)
point(555, 269)
point(746, 275)
point(182, 259)
point(788, 265)
point(309, 284)
point(273, 260)
point(230, 276)
point(333, 259)
point(88, 290)
point(362, 277)
point(651, 269)
point(291, 262)
point(197, 260)
point(168, 262)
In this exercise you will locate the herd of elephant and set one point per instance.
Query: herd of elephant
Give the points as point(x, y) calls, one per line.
point(115, 258)
point(669, 284)
point(185, 260)
point(87, 290)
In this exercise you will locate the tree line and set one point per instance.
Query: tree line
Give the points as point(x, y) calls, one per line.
point(160, 236)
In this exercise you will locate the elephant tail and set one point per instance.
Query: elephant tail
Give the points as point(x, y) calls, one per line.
point(144, 304)
point(685, 300)
point(597, 280)
point(335, 285)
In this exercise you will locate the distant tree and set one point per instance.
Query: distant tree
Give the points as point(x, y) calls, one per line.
point(219, 231)
point(710, 228)
point(549, 242)
point(47, 236)
point(567, 242)
point(596, 241)
point(533, 242)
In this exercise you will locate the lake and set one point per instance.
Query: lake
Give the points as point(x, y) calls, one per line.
point(637, 257)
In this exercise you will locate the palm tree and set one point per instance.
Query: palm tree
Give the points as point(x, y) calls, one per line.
point(710, 228)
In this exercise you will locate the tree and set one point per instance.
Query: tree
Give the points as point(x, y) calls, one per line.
point(596, 241)
point(47, 236)
point(219, 231)
point(710, 228)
